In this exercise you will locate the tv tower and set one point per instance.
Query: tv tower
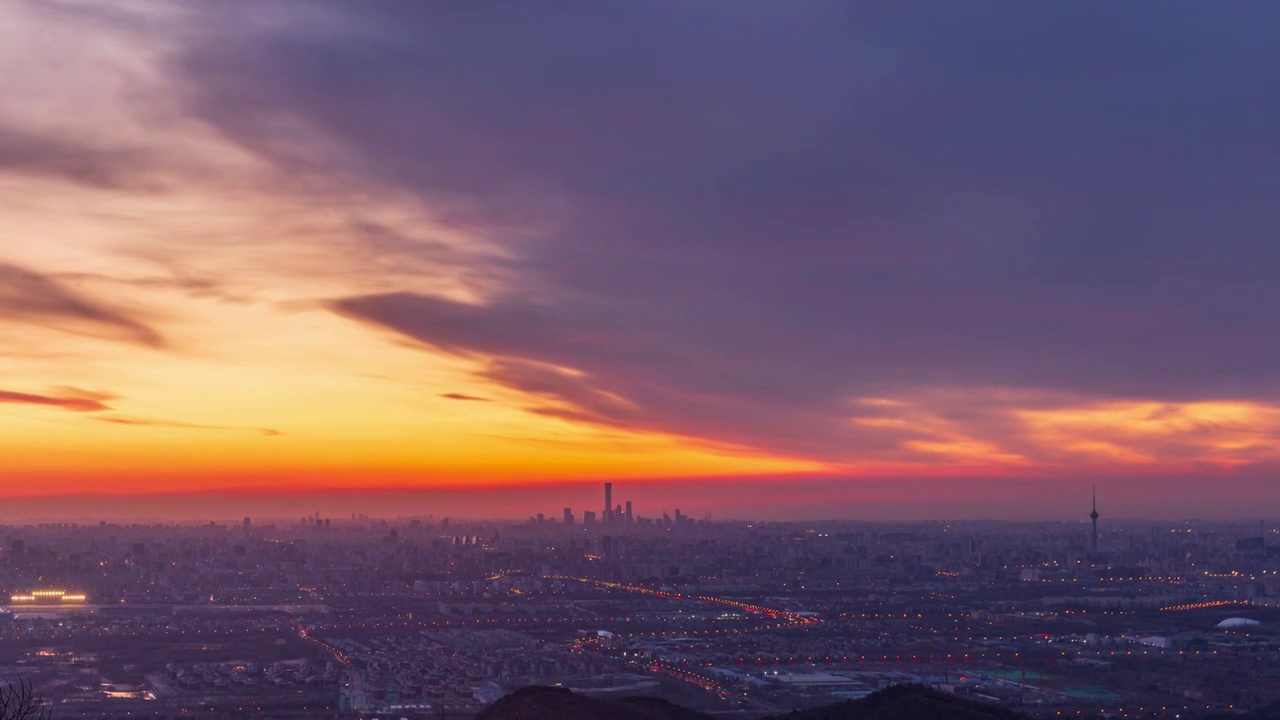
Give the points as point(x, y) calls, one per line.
point(1094, 517)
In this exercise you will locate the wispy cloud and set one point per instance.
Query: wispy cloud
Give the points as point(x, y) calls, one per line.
point(39, 155)
point(27, 296)
point(176, 424)
point(464, 396)
point(66, 398)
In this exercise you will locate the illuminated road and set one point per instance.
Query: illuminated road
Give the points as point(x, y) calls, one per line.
point(794, 618)
point(685, 674)
point(358, 700)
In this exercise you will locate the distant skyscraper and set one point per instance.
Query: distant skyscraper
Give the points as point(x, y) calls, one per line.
point(568, 516)
point(588, 517)
point(628, 516)
point(608, 502)
point(1094, 517)
point(247, 523)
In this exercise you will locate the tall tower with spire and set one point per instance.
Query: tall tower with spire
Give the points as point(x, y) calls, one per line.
point(1094, 517)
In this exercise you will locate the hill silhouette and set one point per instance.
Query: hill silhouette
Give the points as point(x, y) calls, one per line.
point(906, 702)
point(903, 702)
point(553, 703)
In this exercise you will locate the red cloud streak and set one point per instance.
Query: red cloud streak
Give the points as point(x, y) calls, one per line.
point(75, 404)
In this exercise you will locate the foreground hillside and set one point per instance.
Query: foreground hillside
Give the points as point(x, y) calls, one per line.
point(896, 703)
point(906, 702)
point(536, 703)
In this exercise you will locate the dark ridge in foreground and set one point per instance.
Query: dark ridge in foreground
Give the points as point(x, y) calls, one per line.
point(552, 703)
point(906, 702)
point(896, 703)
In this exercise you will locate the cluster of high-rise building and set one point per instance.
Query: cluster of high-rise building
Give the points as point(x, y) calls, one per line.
point(611, 514)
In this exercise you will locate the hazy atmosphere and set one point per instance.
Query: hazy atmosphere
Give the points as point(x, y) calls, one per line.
point(639, 360)
point(851, 259)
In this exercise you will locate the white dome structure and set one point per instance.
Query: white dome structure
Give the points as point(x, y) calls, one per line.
point(1233, 623)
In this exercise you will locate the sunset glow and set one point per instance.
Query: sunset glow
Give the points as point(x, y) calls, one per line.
point(304, 248)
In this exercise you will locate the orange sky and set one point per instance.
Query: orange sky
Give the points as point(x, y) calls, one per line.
point(167, 325)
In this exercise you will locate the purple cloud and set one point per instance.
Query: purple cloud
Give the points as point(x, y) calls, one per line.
point(464, 396)
point(67, 159)
point(747, 216)
point(31, 297)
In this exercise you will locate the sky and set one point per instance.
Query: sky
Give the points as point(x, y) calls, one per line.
point(768, 259)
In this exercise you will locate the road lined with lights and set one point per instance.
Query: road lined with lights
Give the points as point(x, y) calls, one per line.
point(1203, 605)
point(793, 617)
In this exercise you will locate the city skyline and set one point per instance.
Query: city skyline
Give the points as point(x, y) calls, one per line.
point(767, 261)
point(345, 617)
point(653, 502)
